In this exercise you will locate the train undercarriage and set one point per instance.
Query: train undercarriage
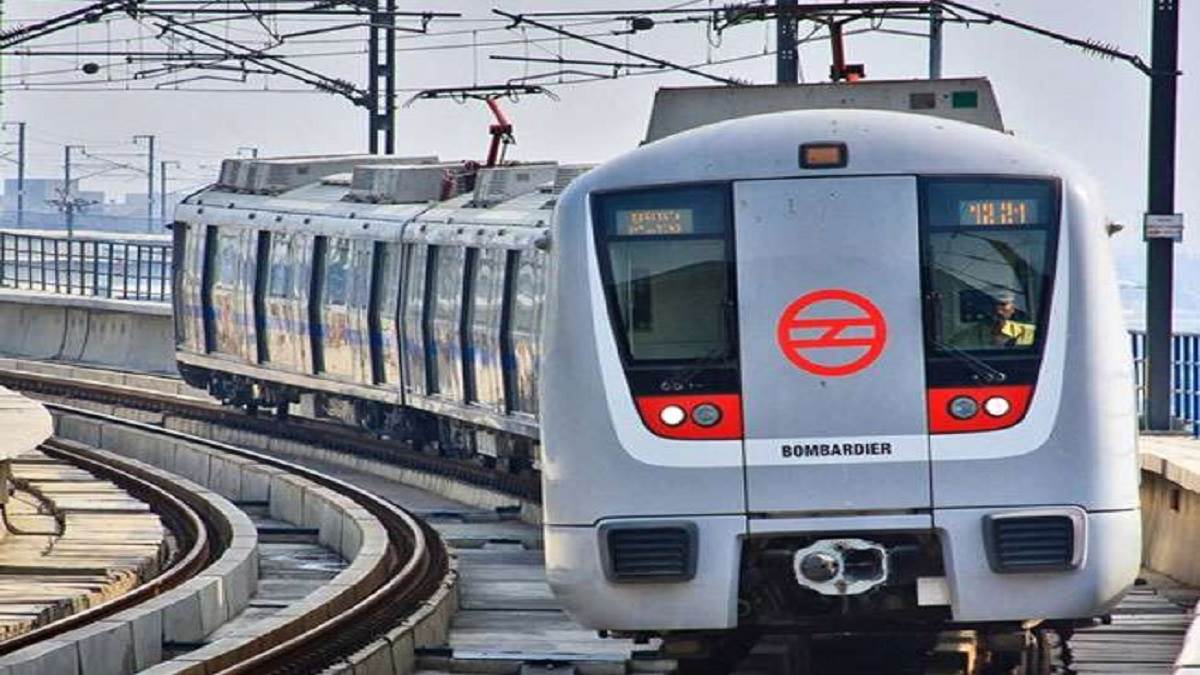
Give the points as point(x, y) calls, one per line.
point(427, 432)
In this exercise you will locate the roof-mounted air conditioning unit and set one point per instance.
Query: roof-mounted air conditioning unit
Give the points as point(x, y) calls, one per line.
point(273, 176)
point(502, 183)
point(567, 173)
point(402, 184)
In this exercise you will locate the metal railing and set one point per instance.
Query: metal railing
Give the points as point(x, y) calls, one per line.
point(115, 269)
point(1185, 376)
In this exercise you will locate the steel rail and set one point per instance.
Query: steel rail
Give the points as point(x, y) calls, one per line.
point(178, 506)
point(411, 571)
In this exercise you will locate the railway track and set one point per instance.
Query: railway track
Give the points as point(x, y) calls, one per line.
point(1143, 637)
point(396, 576)
point(193, 529)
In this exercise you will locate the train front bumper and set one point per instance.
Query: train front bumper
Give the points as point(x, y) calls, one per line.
point(579, 570)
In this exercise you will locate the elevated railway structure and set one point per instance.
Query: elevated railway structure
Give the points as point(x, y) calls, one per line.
point(503, 618)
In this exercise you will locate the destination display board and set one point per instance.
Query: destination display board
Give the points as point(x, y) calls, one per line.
point(654, 222)
point(982, 212)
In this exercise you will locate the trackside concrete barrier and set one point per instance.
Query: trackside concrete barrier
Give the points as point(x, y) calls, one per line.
point(342, 525)
point(1171, 521)
point(122, 334)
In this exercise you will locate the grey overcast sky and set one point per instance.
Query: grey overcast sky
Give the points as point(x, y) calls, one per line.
point(1090, 109)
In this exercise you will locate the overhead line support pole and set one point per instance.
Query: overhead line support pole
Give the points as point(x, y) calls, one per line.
point(1161, 201)
point(389, 89)
point(374, 33)
point(68, 201)
point(162, 190)
point(149, 179)
point(935, 41)
point(20, 171)
point(381, 77)
point(20, 174)
point(787, 57)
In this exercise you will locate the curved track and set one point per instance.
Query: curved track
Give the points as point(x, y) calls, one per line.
point(175, 505)
point(413, 567)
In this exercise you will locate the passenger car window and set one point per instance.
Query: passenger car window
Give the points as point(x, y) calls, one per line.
point(228, 245)
point(279, 285)
point(987, 254)
point(337, 262)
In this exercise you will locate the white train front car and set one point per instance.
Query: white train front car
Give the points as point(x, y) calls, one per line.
point(835, 368)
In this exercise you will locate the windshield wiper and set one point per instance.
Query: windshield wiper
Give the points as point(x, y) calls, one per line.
point(982, 370)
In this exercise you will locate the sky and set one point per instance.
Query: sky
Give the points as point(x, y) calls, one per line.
point(1090, 109)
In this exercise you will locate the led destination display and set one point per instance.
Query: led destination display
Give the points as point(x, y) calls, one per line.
point(998, 212)
point(652, 222)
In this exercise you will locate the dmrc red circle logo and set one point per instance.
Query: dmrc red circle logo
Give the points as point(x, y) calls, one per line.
point(813, 325)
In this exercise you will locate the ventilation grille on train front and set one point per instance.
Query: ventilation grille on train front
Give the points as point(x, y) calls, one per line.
point(1029, 543)
point(644, 552)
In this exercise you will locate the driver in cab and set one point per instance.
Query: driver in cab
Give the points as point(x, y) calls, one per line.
point(998, 330)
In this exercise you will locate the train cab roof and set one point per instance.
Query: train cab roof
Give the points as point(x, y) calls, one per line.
point(874, 142)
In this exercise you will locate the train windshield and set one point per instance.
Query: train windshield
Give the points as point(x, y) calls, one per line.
point(665, 255)
point(987, 248)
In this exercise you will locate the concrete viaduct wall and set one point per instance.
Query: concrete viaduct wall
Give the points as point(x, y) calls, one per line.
point(1171, 506)
point(119, 334)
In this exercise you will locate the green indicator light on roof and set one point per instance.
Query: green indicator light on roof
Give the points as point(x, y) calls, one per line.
point(964, 99)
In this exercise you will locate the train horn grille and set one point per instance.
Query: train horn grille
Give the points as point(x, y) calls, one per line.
point(1032, 543)
point(654, 553)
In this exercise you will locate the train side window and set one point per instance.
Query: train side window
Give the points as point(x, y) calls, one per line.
point(280, 282)
point(228, 256)
point(360, 273)
point(337, 264)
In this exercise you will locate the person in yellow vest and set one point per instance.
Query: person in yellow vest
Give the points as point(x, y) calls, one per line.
point(998, 330)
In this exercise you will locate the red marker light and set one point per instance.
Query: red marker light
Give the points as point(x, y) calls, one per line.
point(957, 409)
point(713, 416)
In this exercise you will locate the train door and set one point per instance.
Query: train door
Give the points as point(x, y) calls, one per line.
point(485, 324)
point(446, 316)
point(333, 303)
point(385, 291)
point(359, 277)
point(230, 292)
point(829, 313)
point(413, 320)
point(285, 321)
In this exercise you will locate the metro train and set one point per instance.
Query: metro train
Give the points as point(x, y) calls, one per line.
point(825, 369)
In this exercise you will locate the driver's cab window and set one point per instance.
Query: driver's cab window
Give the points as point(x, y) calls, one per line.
point(987, 253)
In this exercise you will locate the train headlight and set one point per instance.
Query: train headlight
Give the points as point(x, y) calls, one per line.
point(963, 407)
point(672, 415)
point(706, 414)
point(997, 406)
